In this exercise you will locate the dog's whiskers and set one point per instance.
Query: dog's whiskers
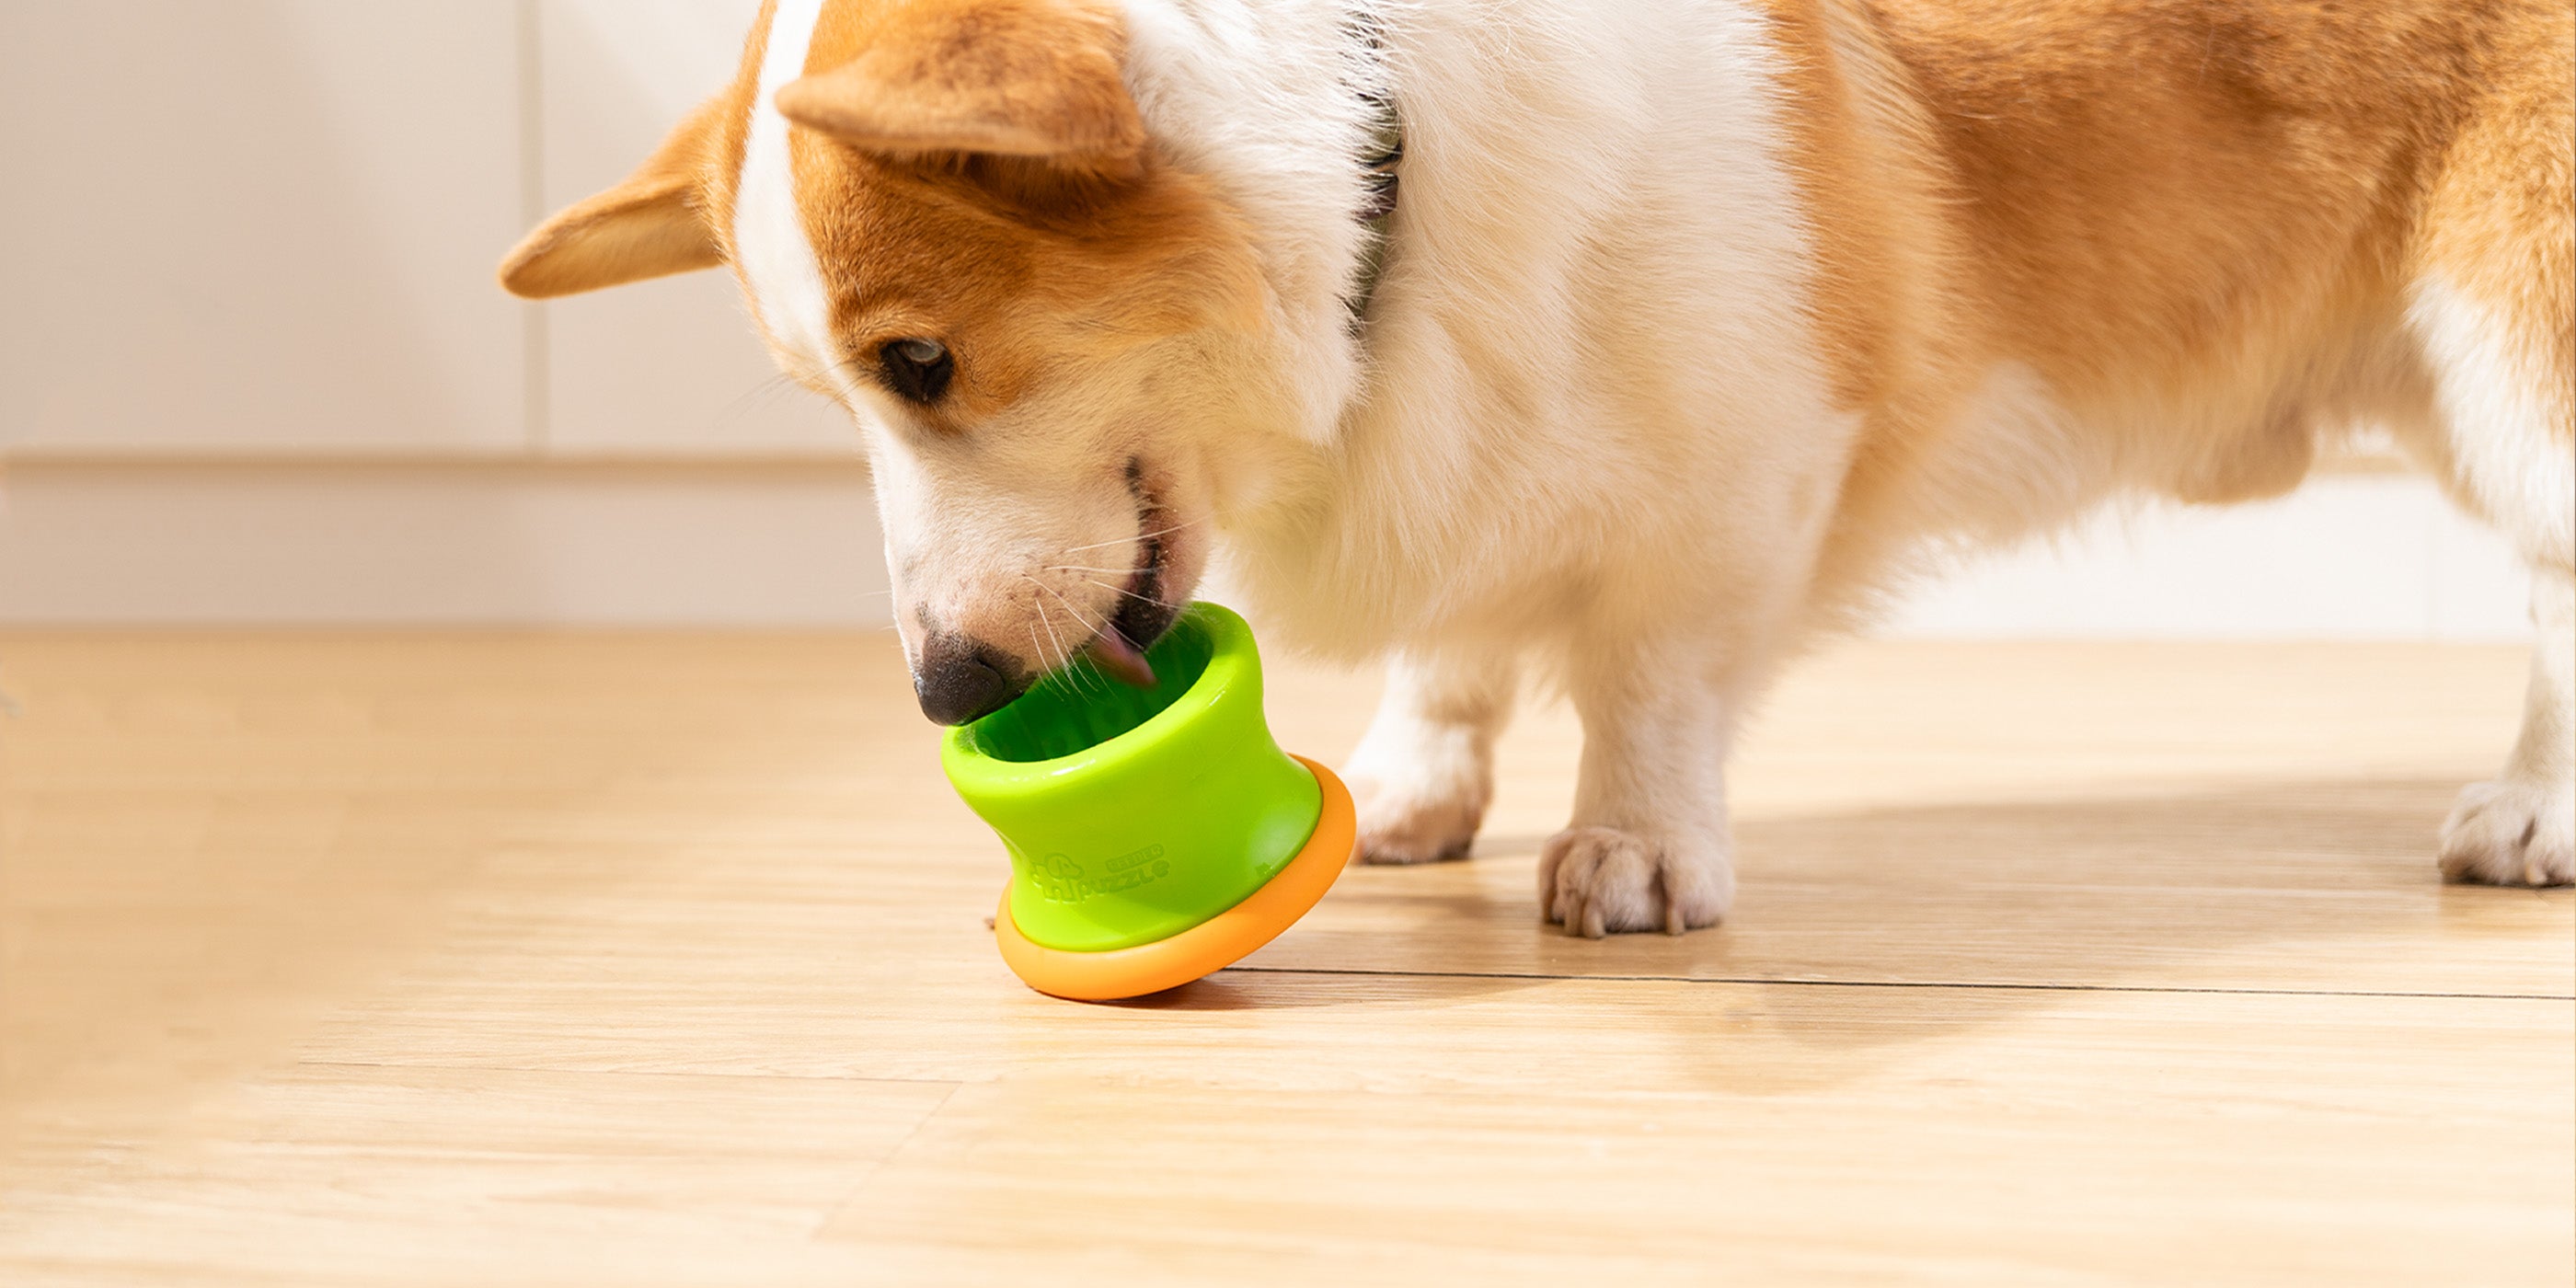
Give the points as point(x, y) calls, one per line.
point(1066, 661)
point(1142, 599)
point(1062, 663)
point(1141, 536)
point(1050, 661)
point(1096, 628)
point(1092, 626)
point(1035, 649)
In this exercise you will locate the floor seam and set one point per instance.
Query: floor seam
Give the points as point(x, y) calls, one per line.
point(1923, 984)
point(877, 1169)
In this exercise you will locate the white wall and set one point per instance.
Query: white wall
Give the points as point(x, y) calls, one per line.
point(258, 226)
point(2376, 555)
point(253, 367)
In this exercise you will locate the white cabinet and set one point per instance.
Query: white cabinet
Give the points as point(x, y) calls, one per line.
point(268, 228)
point(671, 367)
point(260, 227)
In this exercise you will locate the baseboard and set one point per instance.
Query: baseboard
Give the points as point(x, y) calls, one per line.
point(744, 544)
point(793, 543)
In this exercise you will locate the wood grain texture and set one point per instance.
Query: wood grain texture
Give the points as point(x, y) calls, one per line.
point(651, 959)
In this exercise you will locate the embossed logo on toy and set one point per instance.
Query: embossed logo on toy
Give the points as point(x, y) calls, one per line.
point(1064, 881)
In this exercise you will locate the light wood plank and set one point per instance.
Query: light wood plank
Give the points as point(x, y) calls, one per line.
point(1807, 1153)
point(1505, 1133)
point(351, 1175)
point(654, 959)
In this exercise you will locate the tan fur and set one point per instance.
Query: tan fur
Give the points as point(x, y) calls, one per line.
point(1018, 271)
point(1892, 283)
point(1071, 244)
point(2194, 220)
point(1020, 78)
point(2497, 230)
point(652, 225)
point(2496, 218)
point(673, 215)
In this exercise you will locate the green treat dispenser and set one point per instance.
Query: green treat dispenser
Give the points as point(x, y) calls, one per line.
point(1155, 835)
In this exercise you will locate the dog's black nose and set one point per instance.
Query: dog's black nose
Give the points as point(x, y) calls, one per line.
point(962, 679)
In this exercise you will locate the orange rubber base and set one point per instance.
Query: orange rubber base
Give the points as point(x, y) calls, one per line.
point(1208, 947)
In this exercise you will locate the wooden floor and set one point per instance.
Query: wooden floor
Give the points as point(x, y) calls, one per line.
point(468, 960)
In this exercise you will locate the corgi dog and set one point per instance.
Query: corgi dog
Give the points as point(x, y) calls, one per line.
point(1641, 344)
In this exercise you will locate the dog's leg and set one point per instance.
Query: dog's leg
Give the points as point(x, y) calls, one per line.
point(2493, 311)
point(2520, 828)
point(1424, 772)
point(1648, 848)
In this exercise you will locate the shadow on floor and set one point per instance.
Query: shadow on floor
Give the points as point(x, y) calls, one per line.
point(1981, 911)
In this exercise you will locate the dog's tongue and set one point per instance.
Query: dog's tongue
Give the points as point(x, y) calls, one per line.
point(1111, 652)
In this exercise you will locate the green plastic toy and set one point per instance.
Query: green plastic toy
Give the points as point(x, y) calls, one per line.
point(1157, 834)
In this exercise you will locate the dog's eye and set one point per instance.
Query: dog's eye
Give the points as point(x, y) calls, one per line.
point(918, 369)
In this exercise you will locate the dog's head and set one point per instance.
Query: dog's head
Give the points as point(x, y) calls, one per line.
point(948, 218)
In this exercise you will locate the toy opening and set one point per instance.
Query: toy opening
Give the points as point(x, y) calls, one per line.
point(1079, 707)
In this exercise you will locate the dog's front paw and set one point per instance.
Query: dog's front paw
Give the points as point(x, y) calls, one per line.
point(1416, 819)
point(2510, 832)
point(1420, 799)
point(1598, 880)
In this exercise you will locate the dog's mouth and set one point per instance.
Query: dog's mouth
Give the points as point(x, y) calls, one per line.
point(1145, 608)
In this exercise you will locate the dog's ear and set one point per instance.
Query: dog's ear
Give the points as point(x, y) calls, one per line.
point(651, 225)
point(1018, 78)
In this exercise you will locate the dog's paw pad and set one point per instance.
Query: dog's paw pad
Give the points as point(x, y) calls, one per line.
point(1597, 881)
point(2512, 833)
